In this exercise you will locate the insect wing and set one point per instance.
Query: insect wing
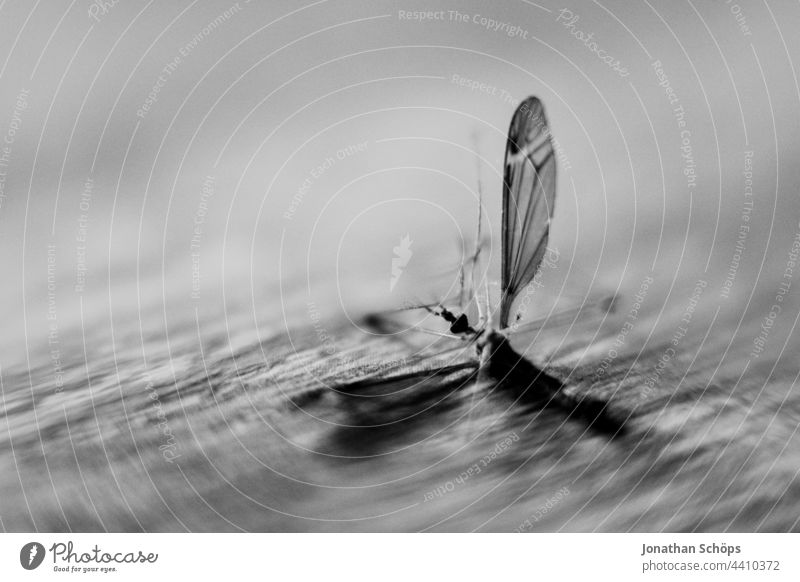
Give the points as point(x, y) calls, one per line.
point(587, 311)
point(529, 189)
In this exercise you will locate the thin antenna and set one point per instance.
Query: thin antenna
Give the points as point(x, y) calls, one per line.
point(476, 254)
point(475, 257)
point(489, 321)
point(461, 277)
point(477, 299)
point(480, 194)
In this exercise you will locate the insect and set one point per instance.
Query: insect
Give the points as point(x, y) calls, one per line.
point(529, 191)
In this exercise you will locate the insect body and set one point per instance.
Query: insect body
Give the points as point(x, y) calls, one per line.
point(529, 185)
point(529, 189)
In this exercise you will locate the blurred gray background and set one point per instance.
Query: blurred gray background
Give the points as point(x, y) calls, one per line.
point(267, 93)
point(324, 132)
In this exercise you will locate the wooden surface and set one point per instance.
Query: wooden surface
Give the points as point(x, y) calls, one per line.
point(272, 432)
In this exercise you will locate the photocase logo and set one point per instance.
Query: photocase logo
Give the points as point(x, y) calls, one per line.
point(402, 254)
point(31, 555)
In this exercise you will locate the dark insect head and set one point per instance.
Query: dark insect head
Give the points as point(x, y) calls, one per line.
point(459, 324)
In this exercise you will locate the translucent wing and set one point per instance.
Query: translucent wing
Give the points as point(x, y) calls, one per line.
point(529, 189)
point(588, 310)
